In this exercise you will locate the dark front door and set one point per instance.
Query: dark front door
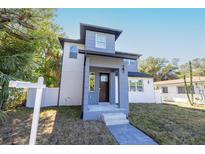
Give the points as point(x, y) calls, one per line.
point(104, 87)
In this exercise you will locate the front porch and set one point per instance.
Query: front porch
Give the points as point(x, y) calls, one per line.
point(95, 111)
point(105, 87)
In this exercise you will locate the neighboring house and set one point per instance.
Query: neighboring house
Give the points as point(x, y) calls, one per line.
point(98, 77)
point(175, 91)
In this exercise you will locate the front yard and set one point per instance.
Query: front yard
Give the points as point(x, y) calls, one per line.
point(57, 126)
point(166, 124)
point(169, 124)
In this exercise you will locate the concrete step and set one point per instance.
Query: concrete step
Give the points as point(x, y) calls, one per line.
point(109, 116)
point(114, 118)
point(116, 122)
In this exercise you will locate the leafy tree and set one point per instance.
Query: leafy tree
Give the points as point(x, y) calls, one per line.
point(198, 67)
point(29, 47)
point(159, 68)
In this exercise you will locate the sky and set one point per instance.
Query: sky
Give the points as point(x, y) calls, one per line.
point(164, 33)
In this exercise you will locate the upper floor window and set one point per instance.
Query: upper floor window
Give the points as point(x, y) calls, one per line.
point(130, 61)
point(73, 52)
point(100, 41)
point(164, 89)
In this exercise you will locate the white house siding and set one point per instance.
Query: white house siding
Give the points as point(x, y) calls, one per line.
point(71, 77)
point(147, 96)
point(173, 95)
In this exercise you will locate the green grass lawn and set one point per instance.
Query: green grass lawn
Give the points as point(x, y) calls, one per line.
point(169, 124)
point(57, 126)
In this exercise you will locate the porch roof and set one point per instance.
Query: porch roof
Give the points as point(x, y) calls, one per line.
point(139, 74)
point(117, 54)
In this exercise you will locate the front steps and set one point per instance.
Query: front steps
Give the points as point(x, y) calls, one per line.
point(115, 118)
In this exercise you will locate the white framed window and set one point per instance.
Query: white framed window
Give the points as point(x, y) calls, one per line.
point(136, 86)
point(182, 90)
point(140, 86)
point(100, 41)
point(92, 82)
point(164, 90)
point(130, 61)
point(73, 52)
point(132, 86)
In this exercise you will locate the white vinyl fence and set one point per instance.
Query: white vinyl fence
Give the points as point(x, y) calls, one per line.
point(49, 97)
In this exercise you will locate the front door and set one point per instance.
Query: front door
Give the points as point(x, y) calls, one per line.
point(104, 87)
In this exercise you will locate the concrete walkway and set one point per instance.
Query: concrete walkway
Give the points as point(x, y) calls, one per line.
point(127, 134)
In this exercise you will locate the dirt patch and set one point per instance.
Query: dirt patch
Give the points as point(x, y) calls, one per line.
point(57, 126)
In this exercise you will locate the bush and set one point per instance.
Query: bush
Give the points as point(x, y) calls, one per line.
point(17, 98)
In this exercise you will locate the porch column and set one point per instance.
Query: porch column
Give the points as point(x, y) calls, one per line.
point(123, 88)
point(112, 87)
point(86, 84)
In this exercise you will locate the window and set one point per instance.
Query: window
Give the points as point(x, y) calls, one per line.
point(92, 82)
point(104, 78)
point(73, 52)
point(140, 86)
point(136, 86)
point(130, 61)
point(164, 89)
point(100, 41)
point(181, 90)
point(132, 86)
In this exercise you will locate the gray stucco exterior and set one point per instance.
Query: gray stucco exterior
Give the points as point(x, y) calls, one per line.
point(132, 67)
point(114, 67)
point(90, 42)
point(74, 89)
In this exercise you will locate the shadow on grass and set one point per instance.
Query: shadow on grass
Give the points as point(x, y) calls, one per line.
point(58, 125)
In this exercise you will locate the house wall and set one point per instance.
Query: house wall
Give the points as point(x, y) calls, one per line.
point(147, 95)
point(132, 67)
point(90, 42)
point(71, 77)
point(105, 62)
point(173, 95)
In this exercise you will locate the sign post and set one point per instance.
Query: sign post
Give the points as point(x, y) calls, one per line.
point(36, 113)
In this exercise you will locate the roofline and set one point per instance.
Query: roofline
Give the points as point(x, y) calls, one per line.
point(179, 81)
point(63, 40)
point(140, 76)
point(143, 75)
point(84, 27)
point(97, 53)
point(128, 53)
point(102, 27)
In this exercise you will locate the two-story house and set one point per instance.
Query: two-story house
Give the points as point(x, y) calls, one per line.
point(98, 77)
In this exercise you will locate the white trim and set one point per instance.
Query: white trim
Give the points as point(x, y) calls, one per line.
point(100, 40)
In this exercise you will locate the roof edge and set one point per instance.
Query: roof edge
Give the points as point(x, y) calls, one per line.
point(139, 74)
